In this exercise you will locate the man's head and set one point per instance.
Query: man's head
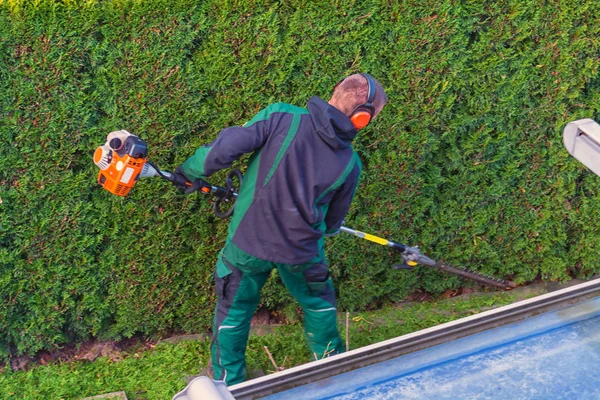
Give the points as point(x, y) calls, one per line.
point(360, 97)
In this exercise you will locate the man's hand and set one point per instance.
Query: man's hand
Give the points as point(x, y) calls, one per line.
point(181, 182)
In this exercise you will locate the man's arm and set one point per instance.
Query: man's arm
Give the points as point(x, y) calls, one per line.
point(340, 203)
point(231, 144)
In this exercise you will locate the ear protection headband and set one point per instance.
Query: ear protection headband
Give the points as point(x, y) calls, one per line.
point(363, 113)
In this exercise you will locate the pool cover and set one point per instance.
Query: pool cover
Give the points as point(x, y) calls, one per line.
point(555, 355)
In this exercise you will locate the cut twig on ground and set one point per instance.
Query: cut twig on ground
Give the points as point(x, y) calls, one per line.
point(347, 331)
point(277, 368)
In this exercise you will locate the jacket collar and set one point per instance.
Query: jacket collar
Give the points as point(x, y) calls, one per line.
point(332, 125)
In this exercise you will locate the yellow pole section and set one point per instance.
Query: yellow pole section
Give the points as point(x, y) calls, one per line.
point(375, 239)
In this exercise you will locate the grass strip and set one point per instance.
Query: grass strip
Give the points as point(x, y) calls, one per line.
point(160, 372)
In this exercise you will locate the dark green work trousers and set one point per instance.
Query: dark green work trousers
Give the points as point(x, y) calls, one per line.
point(239, 278)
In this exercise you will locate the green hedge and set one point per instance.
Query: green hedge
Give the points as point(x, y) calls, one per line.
point(466, 160)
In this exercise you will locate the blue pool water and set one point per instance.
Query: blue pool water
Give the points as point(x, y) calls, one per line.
point(555, 355)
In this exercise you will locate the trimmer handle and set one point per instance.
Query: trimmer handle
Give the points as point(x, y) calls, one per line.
point(198, 185)
point(222, 195)
point(227, 194)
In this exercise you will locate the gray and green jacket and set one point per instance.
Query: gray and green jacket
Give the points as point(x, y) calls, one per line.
point(299, 183)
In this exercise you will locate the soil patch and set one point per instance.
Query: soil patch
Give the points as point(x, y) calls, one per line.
point(263, 322)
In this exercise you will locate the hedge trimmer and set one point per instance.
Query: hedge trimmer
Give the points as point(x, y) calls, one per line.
point(123, 161)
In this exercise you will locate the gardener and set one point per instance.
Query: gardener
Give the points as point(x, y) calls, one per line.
point(297, 188)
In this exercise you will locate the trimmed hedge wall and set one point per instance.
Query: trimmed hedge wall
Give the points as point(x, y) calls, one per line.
point(466, 160)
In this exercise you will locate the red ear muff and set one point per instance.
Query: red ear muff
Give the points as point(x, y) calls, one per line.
point(360, 119)
point(363, 113)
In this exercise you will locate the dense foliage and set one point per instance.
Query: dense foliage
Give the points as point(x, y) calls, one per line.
point(466, 160)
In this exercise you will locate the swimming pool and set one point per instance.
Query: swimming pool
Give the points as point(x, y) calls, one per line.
point(558, 363)
point(552, 355)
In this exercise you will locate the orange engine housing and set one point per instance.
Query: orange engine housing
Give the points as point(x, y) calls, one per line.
point(121, 160)
point(122, 175)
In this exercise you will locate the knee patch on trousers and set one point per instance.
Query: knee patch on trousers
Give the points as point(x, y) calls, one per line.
point(319, 283)
point(227, 279)
point(227, 282)
point(222, 274)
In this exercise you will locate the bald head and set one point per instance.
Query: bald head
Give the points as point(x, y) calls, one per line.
point(354, 91)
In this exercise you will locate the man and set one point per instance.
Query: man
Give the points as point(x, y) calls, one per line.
point(297, 188)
